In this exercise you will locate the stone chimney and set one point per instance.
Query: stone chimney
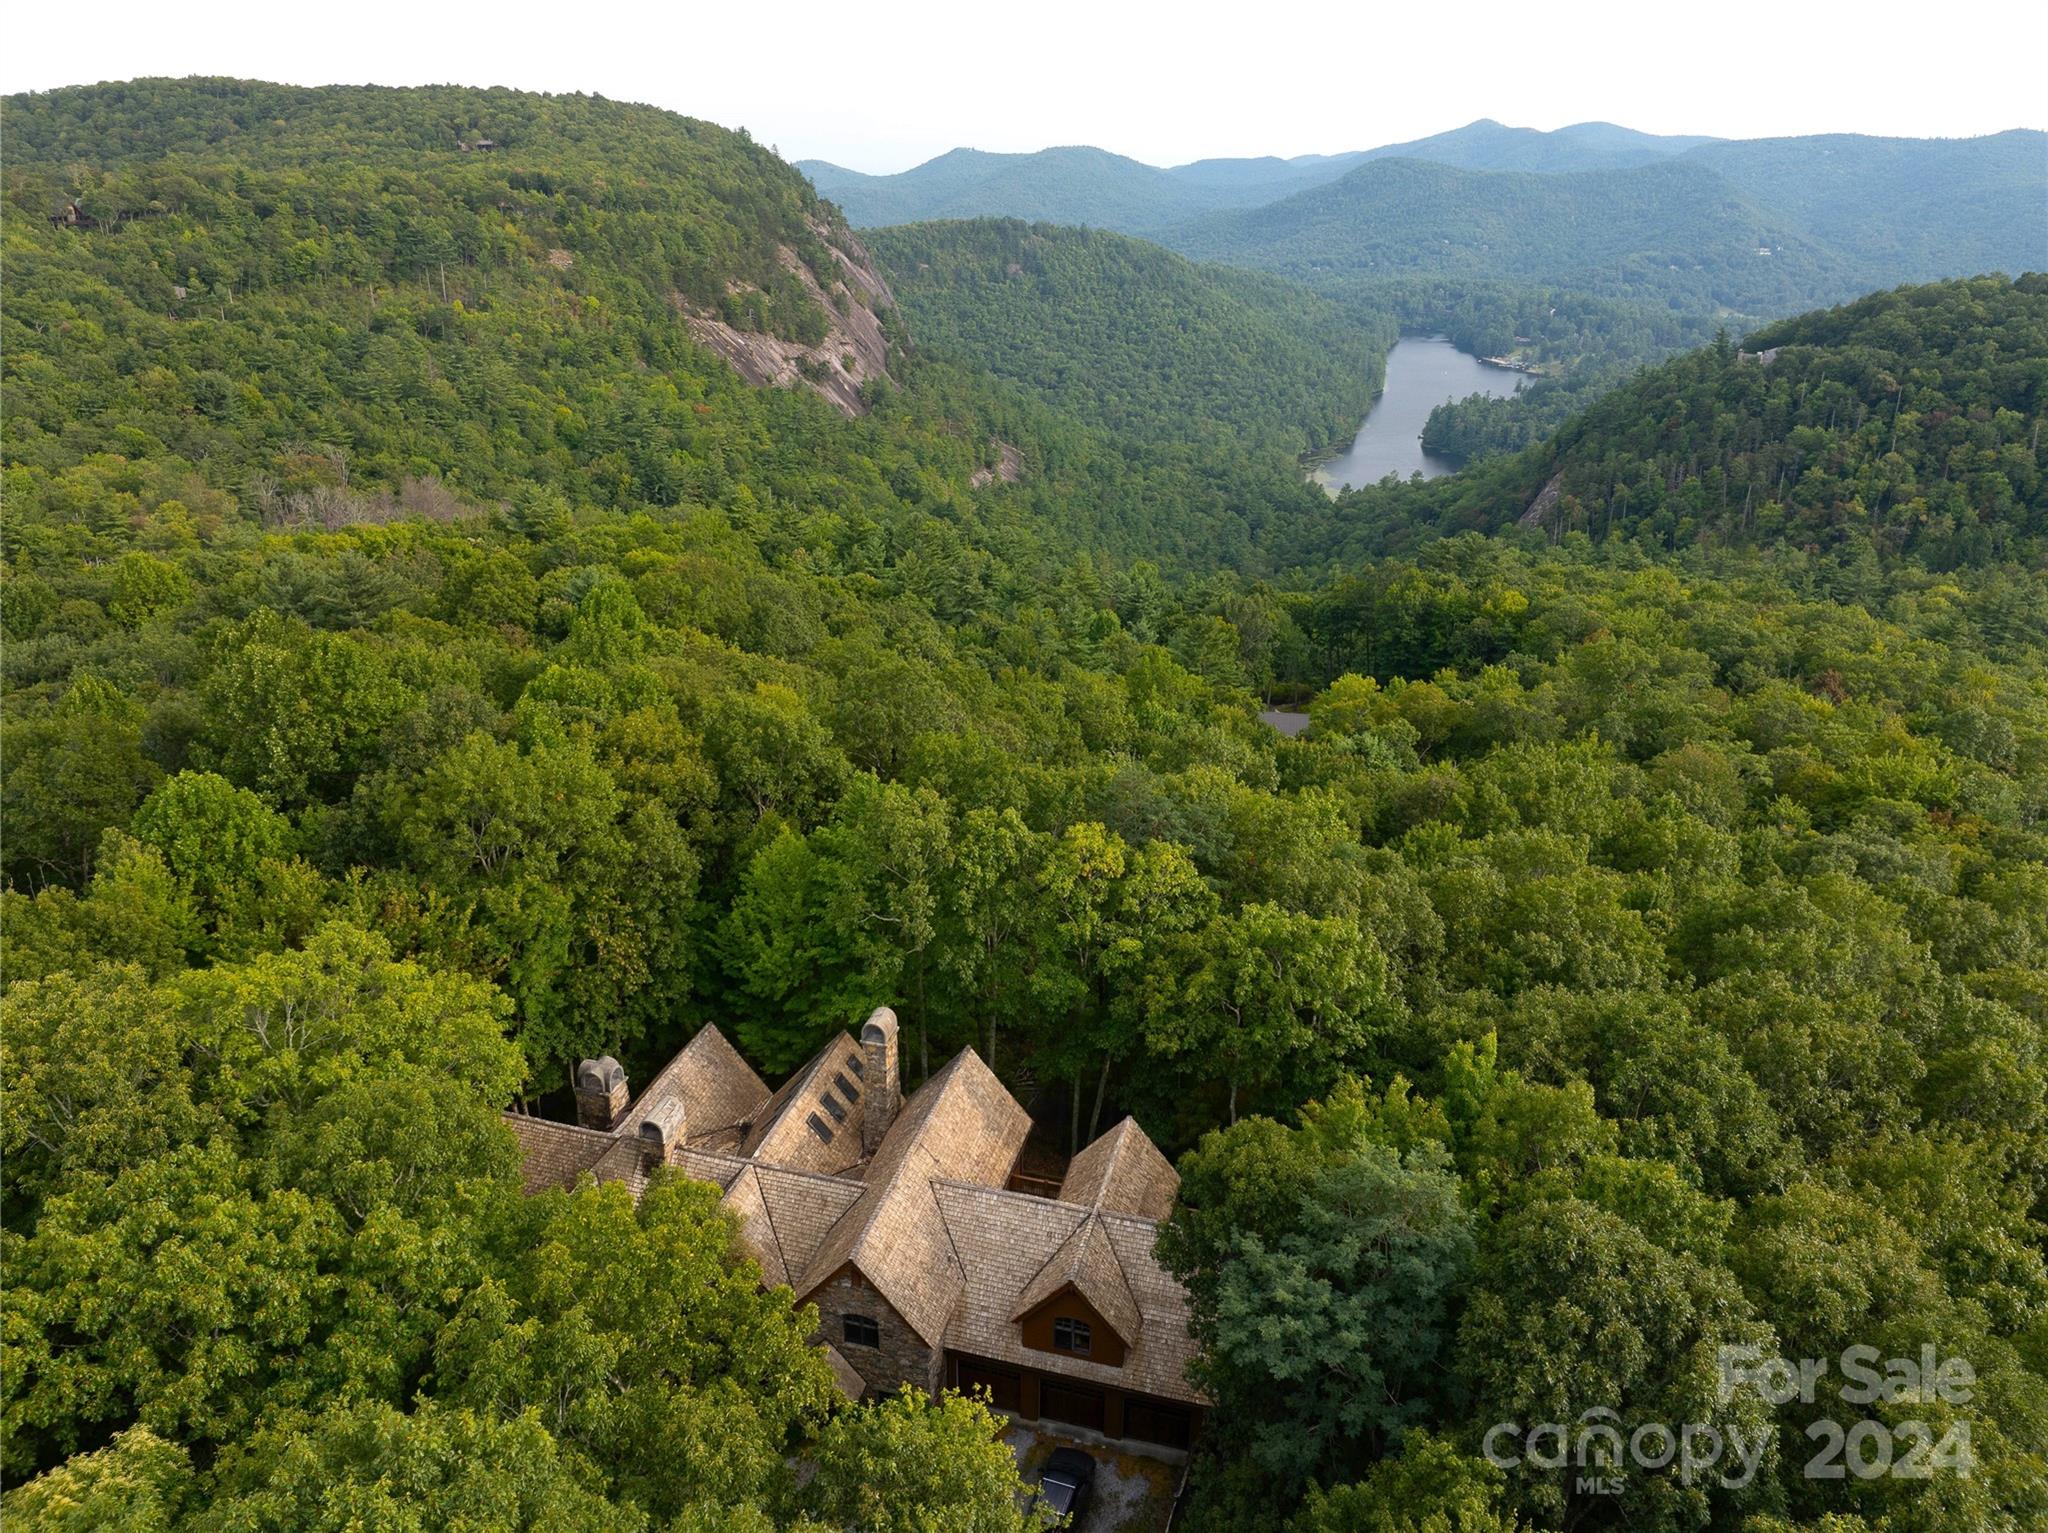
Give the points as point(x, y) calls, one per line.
point(878, 1080)
point(662, 1131)
point(601, 1094)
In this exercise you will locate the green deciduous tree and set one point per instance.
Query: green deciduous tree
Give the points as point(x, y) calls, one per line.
point(906, 1464)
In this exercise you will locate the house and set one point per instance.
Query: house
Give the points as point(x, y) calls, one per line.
point(898, 1220)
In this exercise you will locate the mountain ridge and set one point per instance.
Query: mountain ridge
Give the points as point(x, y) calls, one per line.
point(964, 182)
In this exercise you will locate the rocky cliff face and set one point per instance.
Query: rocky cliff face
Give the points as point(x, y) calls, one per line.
point(854, 349)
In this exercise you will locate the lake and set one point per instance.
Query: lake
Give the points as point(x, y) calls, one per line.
point(1422, 372)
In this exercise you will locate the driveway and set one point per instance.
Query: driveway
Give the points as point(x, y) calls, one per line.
point(1133, 1494)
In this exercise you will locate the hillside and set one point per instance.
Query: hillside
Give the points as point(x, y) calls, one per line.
point(1246, 180)
point(1077, 186)
point(1068, 186)
point(176, 198)
point(1670, 230)
point(1903, 210)
point(1905, 424)
point(579, 310)
point(1114, 330)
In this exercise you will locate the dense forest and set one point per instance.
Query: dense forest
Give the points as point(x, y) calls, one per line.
point(425, 666)
point(1906, 423)
point(1125, 333)
point(1669, 232)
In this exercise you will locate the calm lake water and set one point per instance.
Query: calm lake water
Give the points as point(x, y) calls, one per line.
point(1421, 374)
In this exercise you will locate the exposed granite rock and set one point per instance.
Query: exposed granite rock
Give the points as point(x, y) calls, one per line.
point(1009, 467)
point(1544, 503)
point(854, 349)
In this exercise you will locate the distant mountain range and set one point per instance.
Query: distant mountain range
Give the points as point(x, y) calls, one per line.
point(1489, 145)
point(1674, 229)
point(1093, 186)
point(1755, 226)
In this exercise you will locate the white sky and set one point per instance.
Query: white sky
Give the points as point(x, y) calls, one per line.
point(883, 84)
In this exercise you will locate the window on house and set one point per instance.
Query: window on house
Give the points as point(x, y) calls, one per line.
point(846, 1087)
point(1071, 1336)
point(819, 1127)
point(831, 1105)
point(860, 1331)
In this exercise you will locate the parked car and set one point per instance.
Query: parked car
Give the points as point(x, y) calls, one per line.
point(1065, 1483)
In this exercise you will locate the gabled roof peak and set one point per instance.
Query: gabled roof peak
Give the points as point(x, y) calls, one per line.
point(1087, 1263)
point(961, 1124)
point(1122, 1172)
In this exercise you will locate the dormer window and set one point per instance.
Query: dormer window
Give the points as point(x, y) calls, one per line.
point(1072, 1336)
point(860, 1331)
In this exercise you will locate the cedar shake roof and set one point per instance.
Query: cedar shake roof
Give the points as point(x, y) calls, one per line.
point(999, 1236)
point(844, 1374)
point(782, 1132)
point(718, 1089)
point(1124, 1173)
point(1086, 1263)
point(962, 1125)
point(784, 1214)
point(562, 1159)
point(927, 1220)
point(555, 1154)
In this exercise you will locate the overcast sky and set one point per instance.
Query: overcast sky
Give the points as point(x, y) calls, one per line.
point(883, 84)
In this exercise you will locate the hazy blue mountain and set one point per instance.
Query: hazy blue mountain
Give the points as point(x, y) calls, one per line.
point(1489, 145)
point(1761, 227)
point(1095, 187)
point(1264, 178)
point(1671, 230)
point(1069, 186)
point(1906, 209)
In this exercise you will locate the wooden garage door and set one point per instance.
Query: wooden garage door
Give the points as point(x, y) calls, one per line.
point(1151, 1422)
point(1076, 1407)
point(1005, 1388)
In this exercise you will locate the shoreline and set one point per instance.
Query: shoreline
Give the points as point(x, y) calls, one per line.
point(1313, 465)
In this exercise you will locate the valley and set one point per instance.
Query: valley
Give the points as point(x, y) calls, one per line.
point(529, 618)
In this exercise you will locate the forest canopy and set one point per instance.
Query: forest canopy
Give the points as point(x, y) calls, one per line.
point(426, 643)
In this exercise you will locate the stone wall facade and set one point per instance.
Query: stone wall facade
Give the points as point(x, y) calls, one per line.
point(901, 1355)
